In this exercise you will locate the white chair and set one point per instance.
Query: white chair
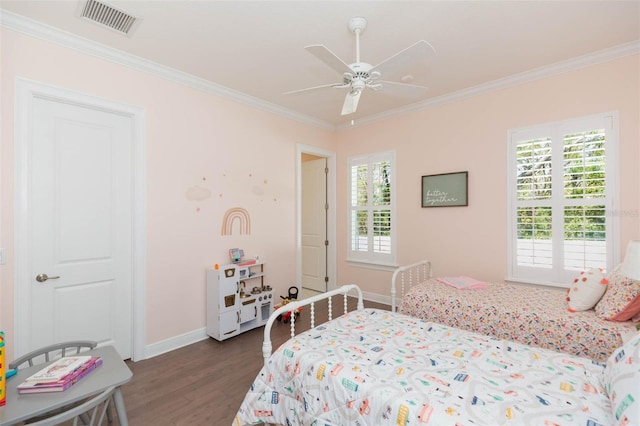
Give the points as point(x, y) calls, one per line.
point(92, 412)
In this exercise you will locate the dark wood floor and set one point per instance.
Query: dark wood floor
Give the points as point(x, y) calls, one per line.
point(205, 383)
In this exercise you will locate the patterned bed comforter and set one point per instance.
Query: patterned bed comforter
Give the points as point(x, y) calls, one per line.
point(530, 315)
point(374, 367)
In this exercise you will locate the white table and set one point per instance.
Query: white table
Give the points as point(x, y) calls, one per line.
point(112, 372)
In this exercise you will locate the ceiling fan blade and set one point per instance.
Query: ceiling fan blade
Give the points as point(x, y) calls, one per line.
point(396, 84)
point(335, 85)
point(414, 53)
point(321, 52)
point(351, 102)
point(402, 89)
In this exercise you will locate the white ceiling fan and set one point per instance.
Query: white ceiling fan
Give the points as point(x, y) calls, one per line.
point(359, 75)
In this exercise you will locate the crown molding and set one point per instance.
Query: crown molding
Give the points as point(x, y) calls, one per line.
point(599, 57)
point(45, 32)
point(39, 30)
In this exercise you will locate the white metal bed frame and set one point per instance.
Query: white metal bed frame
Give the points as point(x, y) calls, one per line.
point(408, 276)
point(294, 305)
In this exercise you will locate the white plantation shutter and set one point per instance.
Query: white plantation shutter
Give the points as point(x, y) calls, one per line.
point(371, 212)
point(533, 191)
point(562, 195)
point(585, 196)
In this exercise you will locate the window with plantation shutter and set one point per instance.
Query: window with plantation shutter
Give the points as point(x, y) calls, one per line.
point(562, 194)
point(371, 209)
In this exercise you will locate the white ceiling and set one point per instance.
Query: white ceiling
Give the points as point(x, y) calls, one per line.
point(257, 47)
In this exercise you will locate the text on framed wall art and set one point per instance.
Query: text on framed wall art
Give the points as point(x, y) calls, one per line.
point(445, 190)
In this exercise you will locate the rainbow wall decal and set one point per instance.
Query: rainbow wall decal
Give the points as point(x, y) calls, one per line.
point(241, 215)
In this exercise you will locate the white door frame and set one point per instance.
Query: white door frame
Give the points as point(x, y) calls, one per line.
point(331, 214)
point(26, 91)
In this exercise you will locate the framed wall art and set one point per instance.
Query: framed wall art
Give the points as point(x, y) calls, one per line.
point(445, 190)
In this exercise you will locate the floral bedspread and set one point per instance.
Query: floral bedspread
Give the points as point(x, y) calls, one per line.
point(530, 315)
point(374, 367)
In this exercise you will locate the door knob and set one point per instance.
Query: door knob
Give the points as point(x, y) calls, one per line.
point(43, 277)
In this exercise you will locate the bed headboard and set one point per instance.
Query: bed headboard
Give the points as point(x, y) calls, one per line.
point(294, 305)
point(407, 276)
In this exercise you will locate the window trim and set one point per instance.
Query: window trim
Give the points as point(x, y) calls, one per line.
point(557, 276)
point(369, 259)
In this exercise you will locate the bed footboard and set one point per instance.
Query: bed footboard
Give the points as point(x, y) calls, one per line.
point(293, 306)
point(407, 276)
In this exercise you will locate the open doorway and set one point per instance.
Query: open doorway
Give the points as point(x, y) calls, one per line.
point(316, 224)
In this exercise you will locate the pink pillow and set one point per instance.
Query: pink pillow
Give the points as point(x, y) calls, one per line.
point(586, 290)
point(621, 301)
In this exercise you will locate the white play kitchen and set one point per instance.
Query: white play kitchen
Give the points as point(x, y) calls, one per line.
point(237, 298)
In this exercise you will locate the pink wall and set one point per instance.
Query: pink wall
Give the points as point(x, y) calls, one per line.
point(472, 135)
point(244, 156)
point(198, 139)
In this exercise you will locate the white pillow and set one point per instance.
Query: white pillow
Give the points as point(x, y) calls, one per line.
point(586, 290)
point(622, 382)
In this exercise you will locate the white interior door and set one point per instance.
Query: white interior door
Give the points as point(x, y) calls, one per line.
point(314, 225)
point(80, 213)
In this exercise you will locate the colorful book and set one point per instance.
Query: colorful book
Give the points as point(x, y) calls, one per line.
point(42, 386)
point(59, 369)
point(463, 283)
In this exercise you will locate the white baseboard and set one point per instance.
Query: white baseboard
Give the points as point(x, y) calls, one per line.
point(175, 342)
point(375, 297)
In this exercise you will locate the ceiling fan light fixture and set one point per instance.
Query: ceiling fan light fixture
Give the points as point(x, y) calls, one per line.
point(358, 84)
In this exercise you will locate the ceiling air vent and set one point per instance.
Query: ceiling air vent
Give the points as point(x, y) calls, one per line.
point(108, 16)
